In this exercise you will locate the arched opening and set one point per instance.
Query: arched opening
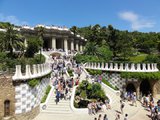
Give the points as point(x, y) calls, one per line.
point(130, 88)
point(145, 88)
point(56, 54)
point(6, 108)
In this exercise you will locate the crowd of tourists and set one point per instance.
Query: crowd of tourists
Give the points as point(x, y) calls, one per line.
point(154, 107)
point(63, 86)
point(147, 101)
point(95, 107)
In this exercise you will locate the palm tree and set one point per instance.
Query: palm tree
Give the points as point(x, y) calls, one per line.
point(74, 30)
point(91, 49)
point(40, 32)
point(2, 44)
point(13, 40)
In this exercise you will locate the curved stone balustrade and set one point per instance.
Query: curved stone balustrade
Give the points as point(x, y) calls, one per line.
point(38, 70)
point(149, 67)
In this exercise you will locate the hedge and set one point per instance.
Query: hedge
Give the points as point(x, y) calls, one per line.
point(141, 75)
point(94, 72)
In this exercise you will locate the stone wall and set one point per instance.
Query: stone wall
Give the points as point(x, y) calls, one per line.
point(7, 92)
point(28, 115)
point(157, 85)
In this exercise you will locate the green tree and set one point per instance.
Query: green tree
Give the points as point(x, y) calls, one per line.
point(40, 32)
point(13, 40)
point(34, 45)
point(74, 29)
point(112, 39)
point(2, 41)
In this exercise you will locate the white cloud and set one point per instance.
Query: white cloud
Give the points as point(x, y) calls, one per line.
point(12, 19)
point(137, 21)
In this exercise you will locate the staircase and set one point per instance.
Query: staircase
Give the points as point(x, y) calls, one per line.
point(63, 106)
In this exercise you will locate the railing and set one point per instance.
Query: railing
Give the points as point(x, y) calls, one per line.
point(149, 67)
point(38, 70)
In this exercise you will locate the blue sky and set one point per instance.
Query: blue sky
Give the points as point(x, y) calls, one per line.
point(141, 15)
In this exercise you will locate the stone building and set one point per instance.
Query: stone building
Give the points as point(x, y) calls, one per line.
point(56, 37)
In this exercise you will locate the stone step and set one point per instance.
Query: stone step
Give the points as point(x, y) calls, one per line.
point(58, 109)
point(57, 112)
point(58, 106)
point(60, 102)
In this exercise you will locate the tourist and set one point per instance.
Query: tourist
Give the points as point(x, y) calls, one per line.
point(100, 117)
point(89, 108)
point(93, 107)
point(126, 117)
point(77, 81)
point(104, 107)
point(121, 106)
point(107, 103)
point(147, 101)
point(157, 111)
point(105, 117)
point(99, 79)
point(134, 100)
point(117, 117)
point(57, 97)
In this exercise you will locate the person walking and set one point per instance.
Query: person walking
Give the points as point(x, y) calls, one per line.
point(126, 117)
point(89, 108)
point(100, 117)
point(105, 117)
point(121, 106)
point(117, 117)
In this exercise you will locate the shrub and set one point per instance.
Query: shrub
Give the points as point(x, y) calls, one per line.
point(48, 89)
point(94, 72)
point(33, 82)
point(70, 72)
point(108, 84)
point(46, 94)
point(83, 94)
point(91, 91)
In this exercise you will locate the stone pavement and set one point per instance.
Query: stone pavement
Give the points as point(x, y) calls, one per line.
point(134, 113)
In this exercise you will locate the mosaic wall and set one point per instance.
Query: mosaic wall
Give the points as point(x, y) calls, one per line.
point(115, 79)
point(27, 98)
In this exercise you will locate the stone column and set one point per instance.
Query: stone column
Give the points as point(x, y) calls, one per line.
point(77, 46)
point(65, 44)
point(72, 45)
point(25, 43)
point(138, 91)
point(81, 49)
point(153, 88)
point(54, 43)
